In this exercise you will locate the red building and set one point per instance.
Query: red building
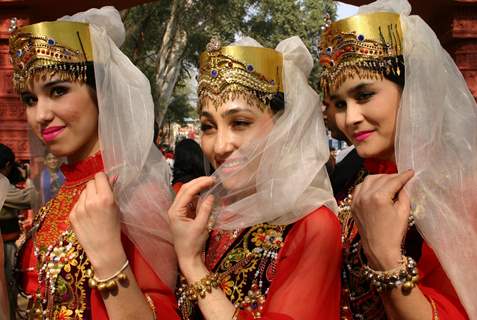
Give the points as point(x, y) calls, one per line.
point(455, 22)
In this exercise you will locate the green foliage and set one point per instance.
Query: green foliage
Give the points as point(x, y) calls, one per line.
point(181, 106)
point(268, 21)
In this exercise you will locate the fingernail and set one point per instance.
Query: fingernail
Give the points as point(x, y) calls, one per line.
point(113, 180)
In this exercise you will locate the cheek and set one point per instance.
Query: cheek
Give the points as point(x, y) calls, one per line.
point(31, 119)
point(207, 145)
point(340, 120)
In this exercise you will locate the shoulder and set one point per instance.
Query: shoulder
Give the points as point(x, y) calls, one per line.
point(319, 225)
point(320, 219)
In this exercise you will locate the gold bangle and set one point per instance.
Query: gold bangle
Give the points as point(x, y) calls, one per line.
point(435, 314)
point(153, 307)
point(110, 284)
point(200, 288)
point(236, 314)
point(406, 276)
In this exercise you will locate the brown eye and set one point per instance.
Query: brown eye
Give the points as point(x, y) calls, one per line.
point(206, 128)
point(240, 124)
point(29, 99)
point(58, 91)
point(364, 96)
point(340, 104)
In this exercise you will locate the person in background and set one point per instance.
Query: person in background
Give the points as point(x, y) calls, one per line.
point(188, 163)
point(51, 177)
point(16, 199)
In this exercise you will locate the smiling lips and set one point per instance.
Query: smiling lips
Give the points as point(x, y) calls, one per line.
point(362, 135)
point(49, 134)
point(230, 164)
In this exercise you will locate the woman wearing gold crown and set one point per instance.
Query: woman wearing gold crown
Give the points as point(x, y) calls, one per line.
point(97, 250)
point(403, 103)
point(274, 248)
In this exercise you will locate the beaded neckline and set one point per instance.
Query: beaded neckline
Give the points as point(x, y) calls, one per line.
point(83, 170)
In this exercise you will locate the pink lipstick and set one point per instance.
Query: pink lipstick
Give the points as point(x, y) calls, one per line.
point(49, 134)
point(362, 135)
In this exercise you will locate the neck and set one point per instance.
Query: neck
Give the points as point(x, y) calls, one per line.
point(85, 152)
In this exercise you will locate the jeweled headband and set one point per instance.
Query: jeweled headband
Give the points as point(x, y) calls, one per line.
point(364, 46)
point(234, 70)
point(58, 47)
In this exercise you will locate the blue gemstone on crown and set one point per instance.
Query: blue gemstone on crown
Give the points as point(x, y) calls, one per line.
point(329, 50)
point(214, 73)
point(19, 53)
point(360, 37)
point(51, 42)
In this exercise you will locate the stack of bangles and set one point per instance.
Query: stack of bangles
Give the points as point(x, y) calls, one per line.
point(200, 288)
point(406, 276)
point(110, 284)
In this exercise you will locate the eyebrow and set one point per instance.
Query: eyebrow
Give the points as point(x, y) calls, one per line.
point(234, 111)
point(226, 113)
point(352, 90)
point(52, 83)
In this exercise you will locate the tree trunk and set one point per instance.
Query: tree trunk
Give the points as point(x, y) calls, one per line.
point(168, 63)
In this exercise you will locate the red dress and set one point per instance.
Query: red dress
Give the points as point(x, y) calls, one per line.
point(54, 263)
point(278, 272)
point(360, 301)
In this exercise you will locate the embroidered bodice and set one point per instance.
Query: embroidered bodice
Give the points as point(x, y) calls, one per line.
point(359, 299)
point(246, 262)
point(58, 284)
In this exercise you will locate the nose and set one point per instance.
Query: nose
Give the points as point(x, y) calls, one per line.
point(354, 115)
point(224, 145)
point(44, 113)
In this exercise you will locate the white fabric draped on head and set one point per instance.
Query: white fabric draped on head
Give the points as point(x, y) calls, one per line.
point(126, 124)
point(282, 175)
point(3, 189)
point(437, 138)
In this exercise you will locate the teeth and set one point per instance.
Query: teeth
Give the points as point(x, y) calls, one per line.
point(230, 164)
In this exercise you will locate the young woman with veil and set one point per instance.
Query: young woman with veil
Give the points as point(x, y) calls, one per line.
point(274, 248)
point(100, 248)
point(405, 106)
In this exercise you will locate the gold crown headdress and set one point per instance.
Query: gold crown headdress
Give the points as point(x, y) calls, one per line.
point(234, 70)
point(364, 45)
point(59, 47)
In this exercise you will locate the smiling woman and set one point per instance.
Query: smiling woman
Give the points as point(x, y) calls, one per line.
point(93, 252)
point(400, 99)
point(265, 216)
point(64, 114)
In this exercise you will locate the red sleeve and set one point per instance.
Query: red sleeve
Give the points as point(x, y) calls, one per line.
point(177, 186)
point(435, 285)
point(150, 284)
point(307, 283)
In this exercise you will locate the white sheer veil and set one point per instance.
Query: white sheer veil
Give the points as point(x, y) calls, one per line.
point(282, 173)
point(437, 137)
point(126, 120)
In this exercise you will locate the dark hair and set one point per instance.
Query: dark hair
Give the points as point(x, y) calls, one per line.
point(277, 103)
point(8, 157)
point(90, 79)
point(397, 78)
point(188, 161)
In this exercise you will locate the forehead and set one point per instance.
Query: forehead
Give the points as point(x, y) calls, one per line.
point(348, 85)
point(239, 102)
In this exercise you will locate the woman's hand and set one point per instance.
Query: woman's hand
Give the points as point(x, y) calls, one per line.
point(381, 209)
point(95, 221)
point(189, 224)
